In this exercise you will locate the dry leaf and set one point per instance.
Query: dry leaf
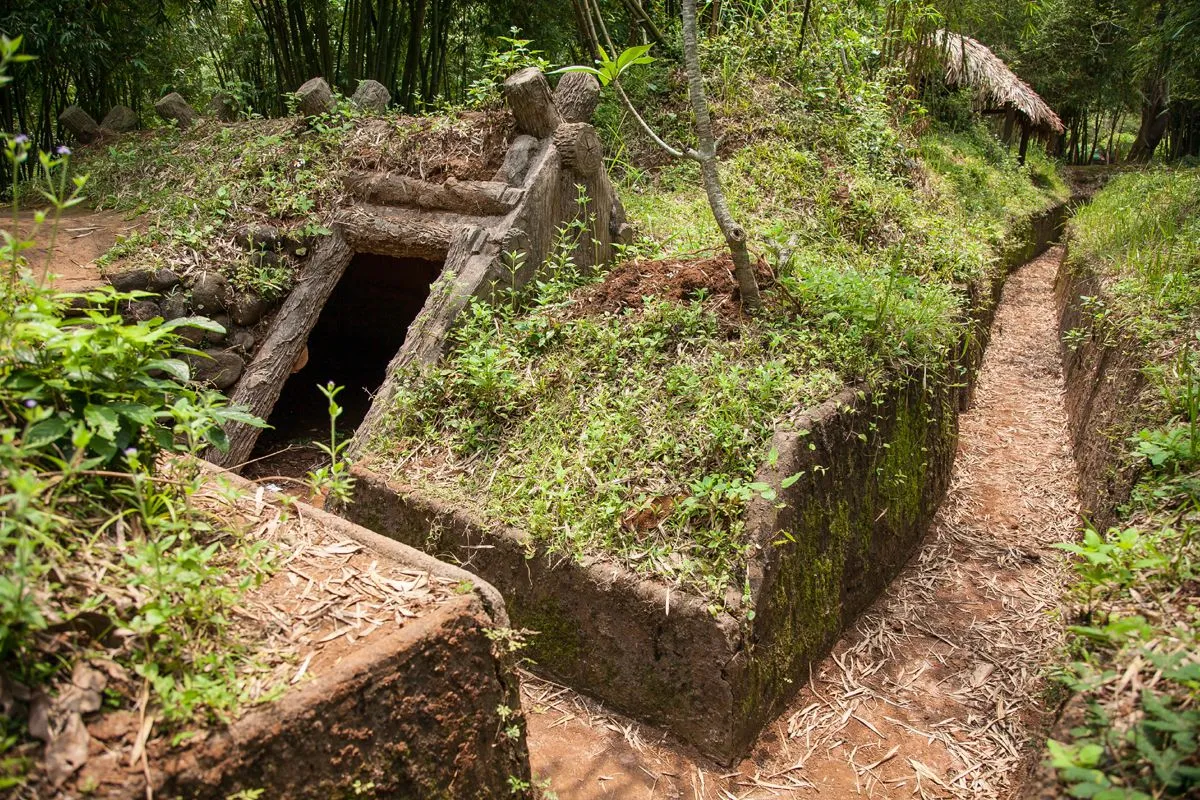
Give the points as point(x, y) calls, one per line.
point(68, 751)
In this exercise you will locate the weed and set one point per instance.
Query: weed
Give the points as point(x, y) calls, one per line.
point(1134, 643)
point(98, 524)
point(334, 477)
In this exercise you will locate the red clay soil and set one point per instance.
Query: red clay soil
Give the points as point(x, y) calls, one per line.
point(392, 689)
point(469, 148)
point(82, 237)
point(938, 690)
point(709, 278)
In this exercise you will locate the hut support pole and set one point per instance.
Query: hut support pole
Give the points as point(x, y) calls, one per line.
point(1025, 131)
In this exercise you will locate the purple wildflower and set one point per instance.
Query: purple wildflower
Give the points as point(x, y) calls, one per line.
point(21, 138)
point(130, 452)
point(31, 403)
point(63, 150)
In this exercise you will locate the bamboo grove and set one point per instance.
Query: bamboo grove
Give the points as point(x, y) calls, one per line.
point(1111, 69)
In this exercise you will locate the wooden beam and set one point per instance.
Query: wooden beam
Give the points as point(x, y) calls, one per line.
point(263, 380)
point(476, 198)
point(398, 236)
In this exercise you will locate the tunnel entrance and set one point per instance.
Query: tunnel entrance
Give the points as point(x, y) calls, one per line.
point(357, 334)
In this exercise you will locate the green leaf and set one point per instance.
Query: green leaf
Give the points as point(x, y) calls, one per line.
point(103, 420)
point(791, 479)
point(203, 323)
point(172, 366)
point(577, 68)
point(46, 431)
point(141, 414)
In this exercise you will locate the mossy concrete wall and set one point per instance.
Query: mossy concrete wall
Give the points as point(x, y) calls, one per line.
point(874, 468)
point(875, 465)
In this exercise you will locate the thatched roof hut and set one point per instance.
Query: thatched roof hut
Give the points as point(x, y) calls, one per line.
point(967, 63)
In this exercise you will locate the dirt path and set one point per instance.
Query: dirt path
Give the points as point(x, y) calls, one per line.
point(936, 691)
point(83, 236)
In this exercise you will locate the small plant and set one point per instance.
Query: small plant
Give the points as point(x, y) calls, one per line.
point(334, 477)
point(1134, 642)
point(100, 530)
point(485, 90)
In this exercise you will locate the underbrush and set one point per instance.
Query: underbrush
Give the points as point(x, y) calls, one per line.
point(1135, 645)
point(635, 434)
point(1141, 235)
point(118, 590)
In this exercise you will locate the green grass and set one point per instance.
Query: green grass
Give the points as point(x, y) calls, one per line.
point(636, 435)
point(1132, 658)
point(1141, 235)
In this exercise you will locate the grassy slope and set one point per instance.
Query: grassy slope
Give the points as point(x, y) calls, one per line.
point(572, 426)
point(1136, 642)
point(199, 188)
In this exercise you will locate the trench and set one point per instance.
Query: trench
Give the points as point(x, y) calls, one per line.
point(361, 327)
point(939, 690)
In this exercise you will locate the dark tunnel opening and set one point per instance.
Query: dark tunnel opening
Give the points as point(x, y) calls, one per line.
point(358, 332)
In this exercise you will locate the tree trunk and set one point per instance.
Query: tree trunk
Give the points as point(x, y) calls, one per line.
point(1112, 133)
point(1155, 116)
point(706, 154)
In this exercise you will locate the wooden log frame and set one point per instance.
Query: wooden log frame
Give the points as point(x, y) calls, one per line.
point(475, 198)
point(532, 105)
point(450, 223)
point(580, 148)
point(263, 380)
point(577, 96)
point(397, 236)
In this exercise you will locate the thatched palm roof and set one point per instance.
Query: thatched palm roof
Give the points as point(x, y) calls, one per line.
point(971, 64)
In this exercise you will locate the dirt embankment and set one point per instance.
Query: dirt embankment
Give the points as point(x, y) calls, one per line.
point(936, 692)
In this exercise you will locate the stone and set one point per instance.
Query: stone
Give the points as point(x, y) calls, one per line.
point(212, 337)
point(78, 307)
point(80, 124)
point(208, 294)
point(241, 339)
point(295, 245)
point(174, 108)
point(265, 259)
point(134, 280)
point(219, 368)
point(257, 237)
point(174, 306)
point(224, 107)
point(163, 280)
point(140, 311)
point(315, 98)
point(120, 119)
point(191, 335)
point(371, 96)
point(248, 309)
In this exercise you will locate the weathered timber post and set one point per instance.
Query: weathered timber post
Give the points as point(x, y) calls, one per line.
point(532, 104)
point(577, 96)
point(263, 380)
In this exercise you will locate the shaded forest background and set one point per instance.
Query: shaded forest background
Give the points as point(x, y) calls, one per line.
point(1109, 68)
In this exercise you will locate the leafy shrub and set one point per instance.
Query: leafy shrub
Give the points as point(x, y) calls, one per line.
point(97, 507)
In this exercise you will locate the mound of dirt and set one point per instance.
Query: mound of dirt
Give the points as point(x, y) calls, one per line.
point(469, 147)
point(710, 279)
